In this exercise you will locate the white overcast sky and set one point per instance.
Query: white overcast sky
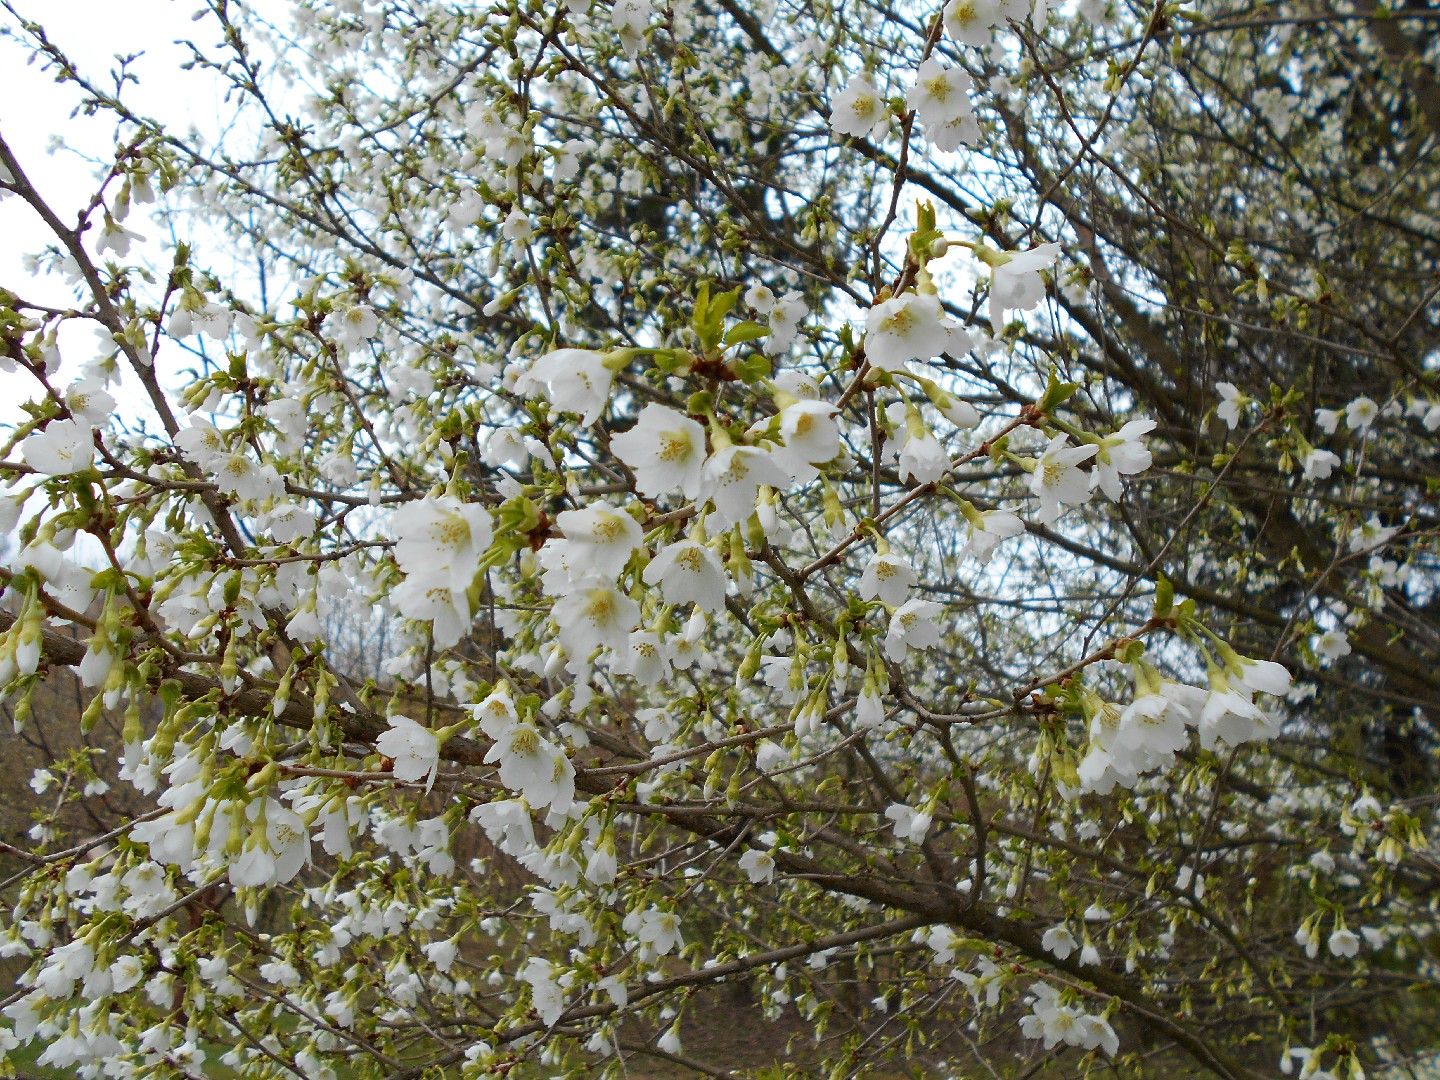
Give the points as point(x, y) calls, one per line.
point(35, 117)
point(58, 151)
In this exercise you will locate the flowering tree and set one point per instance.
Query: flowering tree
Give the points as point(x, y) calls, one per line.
point(927, 513)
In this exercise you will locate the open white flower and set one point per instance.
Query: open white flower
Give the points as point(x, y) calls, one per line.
point(912, 627)
point(89, 403)
point(887, 577)
point(1152, 727)
point(202, 442)
point(910, 825)
point(963, 130)
point(972, 22)
point(414, 748)
point(940, 93)
point(1232, 400)
point(250, 481)
point(1371, 533)
point(115, 237)
point(595, 614)
point(917, 451)
point(658, 929)
point(645, 657)
point(809, 431)
point(758, 865)
point(760, 298)
point(1121, 454)
point(439, 534)
point(496, 714)
point(688, 572)
point(732, 480)
point(433, 598)
point(1228, 714)
point(1332, 644)
point(273, 854)
point(859, 109)
point(535, 767)
point(1318, 464)
point(517, 227)
point(547, 994)
point(904, 328)
point(601, 538)
point(1361, 413)
point(785, 317)
point(1344, 942)
point(1057, 482)
point(65, 447)
point(1059, 942)
point(992, 527)
point(941, 100)
point(666, 451)
point(574, 380)
point(1258, 676)
point(631, 18)
point(1016, 283)
point(352, 326)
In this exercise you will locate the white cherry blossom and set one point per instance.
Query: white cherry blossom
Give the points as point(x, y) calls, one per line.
point(600, 538)
point(912, 627)
point(887, 577)
point(63, 448)
point(904, 328)
point(439, 534)
point(1121, 454)
point(666, 451)
point(1057, 482)
point(574, 380)
point(414, 748)
point(352, 326)
point(688, 572)
point(732, 479)
point(989, 530)
point(594, 614)
point(1016, 282)
point(859, 109)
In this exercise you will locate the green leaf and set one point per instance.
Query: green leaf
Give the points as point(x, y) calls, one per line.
point(745, 331)
point(1164, 596)
point(752, 368)
point(710, 311)
point(1056, 393)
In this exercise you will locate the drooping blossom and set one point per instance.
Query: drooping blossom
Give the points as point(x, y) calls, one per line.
point(439, 534)
point(912, 626)
point(414, 748)
point(732, 479)
point(1121, 454)
point(986, 533)
point(941, 100)
point(972, 22)
point(887, 577)
point(1016, 283)
point(350, 327)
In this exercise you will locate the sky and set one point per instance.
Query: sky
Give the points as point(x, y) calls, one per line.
point(35, 117)
point(59, 152)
